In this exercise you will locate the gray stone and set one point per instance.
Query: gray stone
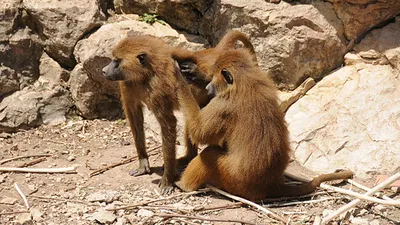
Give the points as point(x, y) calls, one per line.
point(103, 216)
point(104, 196)
point(62, 23)
point(144, 213)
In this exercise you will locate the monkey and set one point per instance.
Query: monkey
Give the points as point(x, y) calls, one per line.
point(144, 67)
point(245, 117)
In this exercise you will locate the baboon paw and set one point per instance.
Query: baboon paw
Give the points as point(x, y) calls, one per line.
point(188, 67)
point(165, 186)
point(144, 168)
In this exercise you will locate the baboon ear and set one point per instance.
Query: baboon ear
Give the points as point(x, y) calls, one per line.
point(227, 76)
point(142, 57)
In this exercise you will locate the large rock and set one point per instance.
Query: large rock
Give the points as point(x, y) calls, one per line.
point(350, 119)
point(292, 42)
point(95, 96)
point(19, 65)
point(185, 14)
point(29, 108)
point(60, 24)
point(360, 16)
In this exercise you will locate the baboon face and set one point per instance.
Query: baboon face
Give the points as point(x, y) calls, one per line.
point(132, 58)
point(221, 82)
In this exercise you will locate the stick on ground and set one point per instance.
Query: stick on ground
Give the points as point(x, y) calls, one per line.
point(22, 195)
point(130, 206)
point(353, 203)
point(360, 196)
point(39, 170)
point(33, 162)
point(24, 156)
point(368, 189)
point(203, 218)
point(125, 161)
point(247, 202)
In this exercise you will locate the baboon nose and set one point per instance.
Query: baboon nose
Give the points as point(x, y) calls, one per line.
point(104, 70)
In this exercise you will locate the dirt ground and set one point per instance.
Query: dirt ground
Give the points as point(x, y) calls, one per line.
point(78, 198)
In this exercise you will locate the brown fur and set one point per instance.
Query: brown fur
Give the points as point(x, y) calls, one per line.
point(245, 117)
point(145, 70)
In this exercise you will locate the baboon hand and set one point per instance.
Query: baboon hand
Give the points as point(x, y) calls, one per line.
point(144, 168)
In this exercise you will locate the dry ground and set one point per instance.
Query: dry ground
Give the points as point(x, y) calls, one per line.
point(77, 198)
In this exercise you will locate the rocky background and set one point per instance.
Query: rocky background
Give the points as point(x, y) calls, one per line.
point(336, 63)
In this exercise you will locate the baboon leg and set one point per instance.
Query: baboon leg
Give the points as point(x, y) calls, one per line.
point(202, 169)
point(167, 122)
point(191, 151)
point(134, 115)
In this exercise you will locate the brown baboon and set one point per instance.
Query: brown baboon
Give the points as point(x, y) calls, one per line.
point(145, 69)
point(245, 117)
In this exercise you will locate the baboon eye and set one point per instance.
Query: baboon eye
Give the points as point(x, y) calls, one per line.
point(227, 76)
point(141, 57)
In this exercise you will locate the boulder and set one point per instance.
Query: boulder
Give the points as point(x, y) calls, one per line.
point(293, 42)
point(19, 65)
point(95, 96)
point(60, 24)
point(358, 17)
point(187, 14)
point(30, 108)
point(350, 119)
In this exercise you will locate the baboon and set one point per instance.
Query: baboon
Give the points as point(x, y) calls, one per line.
point(244, 116)
point(145, 69)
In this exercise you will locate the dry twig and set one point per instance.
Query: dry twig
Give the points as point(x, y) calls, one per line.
point(225, 206)
point(39, 170)
point(33, 162)
point(125, 161)
point(22, 195)
point(299, 202)
point(203, 218)
point(24, 156)
point(130, 206)
point(360, 196)
point(353, 203)
point(352, 182)
point(63, 200)
point(245, 201)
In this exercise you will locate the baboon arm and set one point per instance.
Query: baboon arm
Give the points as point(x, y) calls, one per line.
point(205, 125)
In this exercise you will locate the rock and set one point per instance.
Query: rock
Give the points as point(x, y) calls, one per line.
point(121, 221)
point(90, 98)
point(191, 10)
point(24, 219)
point(103, 216)
point(360, 16)
point(8, 200)
point(10, 12)
point(384, 42)
point(144, 213)
point(95, 96)
point(62, 24)
point(360, 221)
point(293, 42)
point(2, 178)
point(36, 214)
point(19, 65)
point(104, 196)
point(30, 108)
point(349, 120)
point(51, 73)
